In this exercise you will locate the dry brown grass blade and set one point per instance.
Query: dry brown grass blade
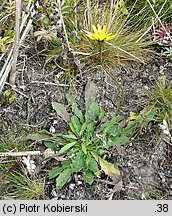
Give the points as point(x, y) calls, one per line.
point(89, 15)
point(112, 16)
point(156, 15)
point(155, 20)
point(63, 24)
point(12, 77)
point(128, 53)
point(9, 61)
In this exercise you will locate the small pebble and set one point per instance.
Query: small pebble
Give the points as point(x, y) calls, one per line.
point(54, 193)
point(55, 122)
point(163, 180)
point(52, 129)
point(79, 182)
point(54, 198)
point(128, 164)
point(170, 193)
point(79, 177)
point(146, 87)
point(171, 186)
point(72, 186)
point(130, 144)
point(143, 197)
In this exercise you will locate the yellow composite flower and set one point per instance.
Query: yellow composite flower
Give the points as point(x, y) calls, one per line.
point(99, 34)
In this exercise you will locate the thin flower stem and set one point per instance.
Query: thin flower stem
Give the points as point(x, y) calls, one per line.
point(118, 105)
point(101, 43)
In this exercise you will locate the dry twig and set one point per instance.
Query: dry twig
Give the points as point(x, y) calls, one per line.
point(20, 154)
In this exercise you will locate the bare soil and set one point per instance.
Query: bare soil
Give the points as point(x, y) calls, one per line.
point(145, 164)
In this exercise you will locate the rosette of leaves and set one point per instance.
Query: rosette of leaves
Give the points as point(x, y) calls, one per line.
point(163, 35)
point(89, 138)
point(81, 148)
point(84, 144)
point(81, 145)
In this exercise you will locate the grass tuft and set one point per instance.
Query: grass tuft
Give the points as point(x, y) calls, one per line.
point(24, 187)
point(161, 97)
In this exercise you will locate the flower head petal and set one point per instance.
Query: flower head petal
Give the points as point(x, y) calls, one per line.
point(104, 29)
point(91, 36)
point(100, 34)
point(99, 28)
point(94, 29)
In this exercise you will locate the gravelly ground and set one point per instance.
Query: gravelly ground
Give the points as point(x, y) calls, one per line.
point(146, 164)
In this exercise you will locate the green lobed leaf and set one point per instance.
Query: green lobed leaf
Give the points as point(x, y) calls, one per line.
point(83, 127)
point(92, 112)
point(84, 149)
point(55, 172)
point(92, 164)
point(66, 147)
point(66, 163)
point(73, 151)
point(72, 128)
point(50, 144)
point(114, 124)
point(101, 152)
point(90, 127)
point(90, 93)
point(62, 179)
point(131, 126)
point(77, 112)
point(88, 176)
point(61, 111)
point(75, 125)
point(9, 33)
point(121, 139)
point(69, 136)
point(119, 118)
point(70, 98)
point(78, 162)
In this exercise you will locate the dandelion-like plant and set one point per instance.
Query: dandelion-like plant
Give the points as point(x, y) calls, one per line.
point(100, 35)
